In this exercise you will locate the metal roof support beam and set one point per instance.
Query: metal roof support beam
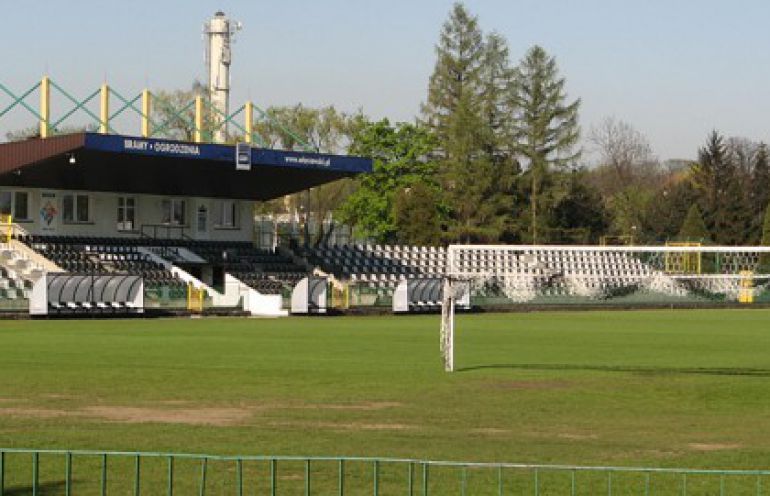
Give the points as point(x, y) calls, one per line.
point(104, 110)
point(146, 107)
point(45, 107)
point(248, 118)
point(198, 138)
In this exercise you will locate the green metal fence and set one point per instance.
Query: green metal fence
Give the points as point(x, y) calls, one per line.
point(47, 472)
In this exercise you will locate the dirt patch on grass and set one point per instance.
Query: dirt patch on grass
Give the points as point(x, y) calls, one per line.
point(188, 416)
point(490, 431)
point(291, 477)
point(527, 385)
point(574, 436)
point(182, 412)
point(38, 413)
point(367, 406)
point(344, 426)
point(713, 446)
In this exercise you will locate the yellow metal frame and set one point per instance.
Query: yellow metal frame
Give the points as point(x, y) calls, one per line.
point(248, 118)
point(340, 297)
point(746, 293)
point(198, 134)
point(104, 113)
point(683, 262)
point(146, 109)
point(45, 107)
point(105, 92)
point(195, 298)
point(6, 220)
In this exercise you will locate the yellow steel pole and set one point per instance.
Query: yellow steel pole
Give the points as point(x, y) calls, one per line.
point(198, 119)
point(248, 116)
point(45, 107)
point(146, 107)
point(104, 115)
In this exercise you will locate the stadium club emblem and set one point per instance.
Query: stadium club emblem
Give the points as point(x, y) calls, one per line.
point(48, 213)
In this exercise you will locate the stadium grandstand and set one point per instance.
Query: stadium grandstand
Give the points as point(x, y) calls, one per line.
point(100, 221)
point(174, 213)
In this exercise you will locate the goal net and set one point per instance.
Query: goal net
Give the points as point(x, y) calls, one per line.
point(532, 274)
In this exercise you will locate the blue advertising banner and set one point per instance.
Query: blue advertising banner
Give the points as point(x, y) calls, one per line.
point(225, 153)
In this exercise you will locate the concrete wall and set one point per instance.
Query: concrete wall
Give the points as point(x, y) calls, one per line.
point(46, 216)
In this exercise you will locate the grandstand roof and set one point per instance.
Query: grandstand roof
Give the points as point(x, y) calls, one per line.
point(129, 164)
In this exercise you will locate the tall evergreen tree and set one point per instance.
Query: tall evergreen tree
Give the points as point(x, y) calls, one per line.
point(455, 83)
point(465, 109)
point(764, 259)
point(545, 126)
point(718, 180)
point(759, 190)
point(497, 146)
point(580, 216)
point(693, 227)
point(496, 80)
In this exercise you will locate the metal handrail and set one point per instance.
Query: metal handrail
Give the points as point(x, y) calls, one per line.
point(538, 472)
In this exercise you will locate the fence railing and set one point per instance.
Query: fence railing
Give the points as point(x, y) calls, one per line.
point(77, 472)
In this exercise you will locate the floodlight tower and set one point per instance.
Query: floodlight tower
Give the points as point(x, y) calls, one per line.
point(219, 32)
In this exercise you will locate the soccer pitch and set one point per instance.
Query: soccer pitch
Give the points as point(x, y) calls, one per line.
point(639, 388)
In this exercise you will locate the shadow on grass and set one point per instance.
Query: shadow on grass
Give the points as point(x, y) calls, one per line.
point(726, 371)
point(43, 489)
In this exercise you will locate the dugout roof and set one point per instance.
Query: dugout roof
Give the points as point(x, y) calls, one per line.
point(128, 164)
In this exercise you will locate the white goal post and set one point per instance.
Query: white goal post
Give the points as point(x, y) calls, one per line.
point(531, 273)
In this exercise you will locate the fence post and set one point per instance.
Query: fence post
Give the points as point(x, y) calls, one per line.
point(239, 471)
point(463, 480)
point(104, 475)
point(170, 476)
point(424, 479)
point(376, 477)
point(35, 468)
point(2, 473)
point(410, 478)
point(684, 484)
point(500, 480)
point(202, 489)
point(307, 477)
point(68, 475)
point(647, 484)
point(137, 475)
point(341, 478)
point(273, 470)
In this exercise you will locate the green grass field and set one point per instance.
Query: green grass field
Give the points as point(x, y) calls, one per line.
point(644, 388)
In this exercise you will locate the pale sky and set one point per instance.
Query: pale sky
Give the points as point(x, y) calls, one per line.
point(673, 69)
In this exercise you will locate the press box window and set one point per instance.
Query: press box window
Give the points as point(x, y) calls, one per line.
point(226, 214)
point(75, 209)
point(21, 205)
point(15, 203)
point(173, 212)
point(126, 213)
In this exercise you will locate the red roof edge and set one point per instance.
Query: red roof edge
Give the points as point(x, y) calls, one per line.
point(18, 154)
